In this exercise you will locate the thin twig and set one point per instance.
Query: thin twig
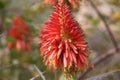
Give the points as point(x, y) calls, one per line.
point(97, 61)
point(106, 24)
point(35, 77)
point(40, 74)
point(100, 76)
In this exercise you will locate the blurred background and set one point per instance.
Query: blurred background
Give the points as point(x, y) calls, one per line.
point(16, 65)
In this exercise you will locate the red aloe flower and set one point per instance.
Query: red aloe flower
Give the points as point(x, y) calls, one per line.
point(62, 41)
point(73, 3)
point(19, 31)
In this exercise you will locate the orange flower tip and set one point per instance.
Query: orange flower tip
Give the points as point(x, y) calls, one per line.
point(60, 45)
point(59, 52)
point(69, 40)
point(49, 48)
point(75, 50)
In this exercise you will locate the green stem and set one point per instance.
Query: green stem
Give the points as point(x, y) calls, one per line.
point(74, 76)
point(70, 76)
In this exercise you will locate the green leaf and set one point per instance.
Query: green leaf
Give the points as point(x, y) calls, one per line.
point(11, 38)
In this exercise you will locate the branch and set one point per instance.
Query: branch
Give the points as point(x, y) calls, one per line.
point(103, 75)
point(103, 57)
point(110, 52)
point(105, 23)
point(40, 74)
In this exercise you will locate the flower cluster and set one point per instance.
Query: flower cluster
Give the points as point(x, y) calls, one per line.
point(19, 36)
point(62, 41)
point(73, 3)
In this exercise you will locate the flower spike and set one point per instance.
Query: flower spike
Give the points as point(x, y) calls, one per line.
point(19, 32)
point(62, 41)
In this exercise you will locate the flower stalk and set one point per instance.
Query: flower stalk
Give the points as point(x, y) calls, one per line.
point(70, 75)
